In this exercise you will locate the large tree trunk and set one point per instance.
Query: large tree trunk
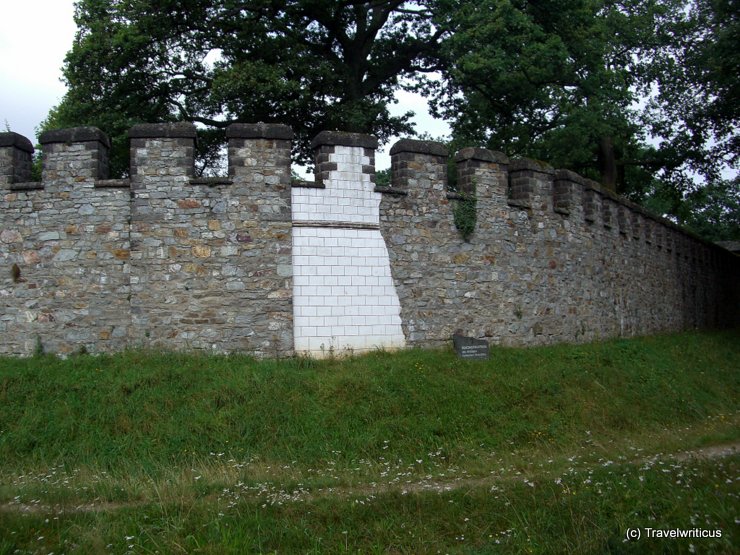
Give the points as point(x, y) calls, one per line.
point(608, 164)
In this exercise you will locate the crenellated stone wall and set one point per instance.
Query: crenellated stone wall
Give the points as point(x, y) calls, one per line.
point(65, 250)
point(553, 258)
point(211, 258)
point(255, 262)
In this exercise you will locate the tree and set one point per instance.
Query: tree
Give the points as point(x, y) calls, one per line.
point(554, 80)
point(641, 95)
point(694, 106)
point(711, 211)
point(313, 64)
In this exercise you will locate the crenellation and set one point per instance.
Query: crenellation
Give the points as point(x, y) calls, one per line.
point(668, 240)
point(568, 189)
point(659, 235)
point(565, 188)
point(636, 225)
point(16, 156)
point(592, 203)
point(482, 173)
point(257, 262)
point(593, 211)
point(678, 246)
point(74, 158)
point(648, 225)
point(420, 166)
point(608, 210)
point(531, 185)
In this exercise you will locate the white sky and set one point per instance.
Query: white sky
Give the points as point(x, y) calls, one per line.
point(35, 35)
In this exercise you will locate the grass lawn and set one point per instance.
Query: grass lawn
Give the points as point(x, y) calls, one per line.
point(545, 450)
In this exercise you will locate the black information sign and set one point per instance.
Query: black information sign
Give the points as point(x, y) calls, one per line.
point(469, 347)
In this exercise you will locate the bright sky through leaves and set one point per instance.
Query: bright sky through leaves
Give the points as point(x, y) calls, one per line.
point(35, 35)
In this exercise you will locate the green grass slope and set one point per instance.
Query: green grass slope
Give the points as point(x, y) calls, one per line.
point(553, 449)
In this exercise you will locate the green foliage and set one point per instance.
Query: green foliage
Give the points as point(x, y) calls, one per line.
point(695, 105)
point(546, 80)
point(312, 65)
point(640, 95)
point(383, 178)
point(711, 211)
point(714, 211)
point(465, 214)
point(36, 164)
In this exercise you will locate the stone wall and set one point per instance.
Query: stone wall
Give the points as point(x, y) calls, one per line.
point(211, 257)
point(253, 263)
point(553, 258)
point(64, 251)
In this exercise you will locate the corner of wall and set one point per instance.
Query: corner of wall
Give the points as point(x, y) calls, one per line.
point(16, 153)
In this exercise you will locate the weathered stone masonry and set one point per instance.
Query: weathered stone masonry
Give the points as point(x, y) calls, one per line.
point(254, 263)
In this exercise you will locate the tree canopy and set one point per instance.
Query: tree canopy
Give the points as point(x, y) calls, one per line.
point(313, 64)
point(640, 94)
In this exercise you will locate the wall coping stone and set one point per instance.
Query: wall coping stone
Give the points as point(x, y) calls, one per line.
point(732, 246)
point(527, 164)
point(304, 184)
point(390, 191)
point(74, 135)
point(568, 175)
point(591, 185)
point(482, 154)
point(179, 130)
point(432, 148)
point(259, 131)
point(11, 138)
point(211, 181)
point(342, 138)
point(27, 186)
point(112, 183)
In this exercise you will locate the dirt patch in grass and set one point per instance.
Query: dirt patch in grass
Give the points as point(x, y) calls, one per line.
point(711, 452)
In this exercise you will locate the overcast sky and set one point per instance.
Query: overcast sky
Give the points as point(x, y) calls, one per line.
point(35, 35)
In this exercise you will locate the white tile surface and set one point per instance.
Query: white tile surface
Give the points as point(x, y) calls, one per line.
point(344, 296)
